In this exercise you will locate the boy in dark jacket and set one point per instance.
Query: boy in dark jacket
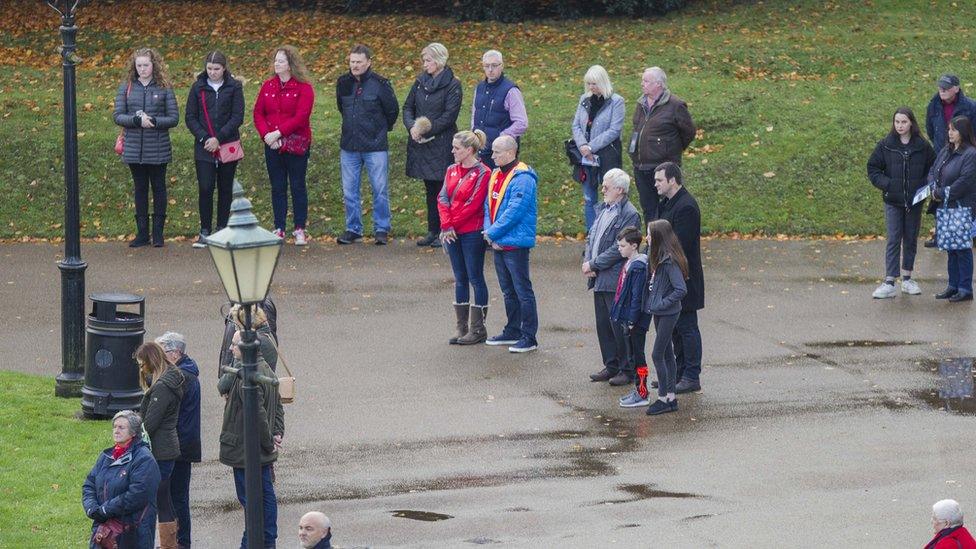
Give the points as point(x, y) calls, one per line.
point(626, 310)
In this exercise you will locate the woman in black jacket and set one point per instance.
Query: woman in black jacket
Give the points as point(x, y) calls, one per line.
point(145, 108)
point(954, 185)
point(430, 115)
point(898, 167)
point(214, 114)
point(164, 385)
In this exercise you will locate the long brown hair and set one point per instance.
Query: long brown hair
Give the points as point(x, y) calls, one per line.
point(152, 362)
point(663, 242)
point(295, 62)
point(914, 132)
point(159, 68)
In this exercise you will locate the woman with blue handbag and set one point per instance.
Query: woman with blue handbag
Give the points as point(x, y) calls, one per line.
point(953, 179)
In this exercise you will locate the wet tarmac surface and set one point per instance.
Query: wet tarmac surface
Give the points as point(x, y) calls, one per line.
point(825, 413)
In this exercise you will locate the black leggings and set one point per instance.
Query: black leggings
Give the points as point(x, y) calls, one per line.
point(433, 188)
point(663, 354)
point(210, 173)
point(144, 176)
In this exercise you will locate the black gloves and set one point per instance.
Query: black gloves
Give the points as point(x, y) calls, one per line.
point(97, 514)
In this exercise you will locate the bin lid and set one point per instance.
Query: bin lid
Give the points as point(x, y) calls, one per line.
point(116, 297)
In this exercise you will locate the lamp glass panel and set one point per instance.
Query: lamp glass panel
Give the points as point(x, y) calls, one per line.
point(223, 260)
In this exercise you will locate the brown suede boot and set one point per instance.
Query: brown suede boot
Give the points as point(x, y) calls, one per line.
point(461, 312)
point(477, 333)
point(167, 535)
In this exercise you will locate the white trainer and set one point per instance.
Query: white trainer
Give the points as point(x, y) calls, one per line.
point(910, 287)
point(300, 237)
point(885, 291)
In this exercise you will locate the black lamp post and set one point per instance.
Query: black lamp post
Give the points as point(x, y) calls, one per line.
point(72, 376)
point(245, 256)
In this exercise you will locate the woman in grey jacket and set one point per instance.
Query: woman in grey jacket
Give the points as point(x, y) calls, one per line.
point(666, 286)
point(145, 108)
point(596, 131)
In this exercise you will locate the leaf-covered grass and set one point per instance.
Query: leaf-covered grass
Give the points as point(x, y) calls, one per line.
point(47, 453)
point(790, 98)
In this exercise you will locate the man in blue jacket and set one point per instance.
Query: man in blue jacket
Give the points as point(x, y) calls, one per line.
point(188, 429)
point(510, 218)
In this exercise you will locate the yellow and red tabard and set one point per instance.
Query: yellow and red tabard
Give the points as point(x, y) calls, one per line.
point(498, 188)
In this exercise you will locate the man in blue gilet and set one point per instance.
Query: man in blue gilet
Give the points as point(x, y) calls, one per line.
point(498, 107)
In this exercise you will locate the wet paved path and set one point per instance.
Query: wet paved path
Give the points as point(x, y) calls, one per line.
point(820, 421)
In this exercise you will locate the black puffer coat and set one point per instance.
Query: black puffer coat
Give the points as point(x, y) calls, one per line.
point(954, 174)
point(146, 145)
point(439, 99)
point(899, 170)
point(225, 107)
point(160, 411)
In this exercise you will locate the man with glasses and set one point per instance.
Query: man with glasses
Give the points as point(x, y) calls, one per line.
point(498, 107)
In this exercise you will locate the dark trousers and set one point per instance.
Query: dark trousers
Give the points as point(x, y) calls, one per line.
point(610, 334)
point(512, 268)
point(902, 226)
point(432, 187)
point(270, 504)
point(663, 354)
point(145, 176)
point(164, 501)
point(961, 270)
point(287, 170)
point(179, 491)
point(636, 339)
point(649, 199)
point(210, 175)
point(467, 255)
point(688, 346)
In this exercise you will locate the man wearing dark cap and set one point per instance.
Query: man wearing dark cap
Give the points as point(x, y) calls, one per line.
point(947, 103)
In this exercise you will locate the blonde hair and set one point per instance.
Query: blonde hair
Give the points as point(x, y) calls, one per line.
point(438, 53)
point(474, 140)
point(258, 317)
point(295, 63)
point(159, 68)
point(598, 75)
point(152, 362)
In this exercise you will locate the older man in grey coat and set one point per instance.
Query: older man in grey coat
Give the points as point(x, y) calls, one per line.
point(601, 265)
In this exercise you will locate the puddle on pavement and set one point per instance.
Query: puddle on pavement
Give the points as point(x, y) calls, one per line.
point(481, 541)
point(697, 517)
point(639, 492)
point(426, 516)
point(861, 343)
point(954, 392)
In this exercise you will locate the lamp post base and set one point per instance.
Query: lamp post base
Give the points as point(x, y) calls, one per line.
point(68, 385)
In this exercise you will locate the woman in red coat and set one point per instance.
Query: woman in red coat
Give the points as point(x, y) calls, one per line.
point(461, 205)
point(949, 531)
point(281, 116)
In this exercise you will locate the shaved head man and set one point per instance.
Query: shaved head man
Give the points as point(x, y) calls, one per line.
point(315, 531)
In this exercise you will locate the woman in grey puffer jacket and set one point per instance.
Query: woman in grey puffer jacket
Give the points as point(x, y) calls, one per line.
point(145, 108)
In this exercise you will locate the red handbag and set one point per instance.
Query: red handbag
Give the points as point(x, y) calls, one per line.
point(120, 140)
point(227, 152)
point(295, 144)
point(107, 534)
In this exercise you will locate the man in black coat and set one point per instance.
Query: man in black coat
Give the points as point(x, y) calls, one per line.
point(681, 210)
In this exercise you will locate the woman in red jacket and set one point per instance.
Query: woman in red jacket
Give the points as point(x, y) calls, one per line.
point(949, 531)
point(281, 116)
point(461, 204)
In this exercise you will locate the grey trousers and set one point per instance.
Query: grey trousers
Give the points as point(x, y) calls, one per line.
point(902, 226)
point(613, 344)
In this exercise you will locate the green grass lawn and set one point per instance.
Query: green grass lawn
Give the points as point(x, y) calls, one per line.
point(47, 453)
point(790, 98)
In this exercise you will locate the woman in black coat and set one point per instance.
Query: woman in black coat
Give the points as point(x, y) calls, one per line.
point(145, 108)
point(218, 124)
point(430, 115)
point(954, 185)
point(898, 168)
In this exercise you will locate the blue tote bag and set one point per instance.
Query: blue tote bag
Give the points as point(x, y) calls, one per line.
point(954, 227)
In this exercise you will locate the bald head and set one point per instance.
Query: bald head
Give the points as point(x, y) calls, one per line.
point(504, 150)
point(312, 528)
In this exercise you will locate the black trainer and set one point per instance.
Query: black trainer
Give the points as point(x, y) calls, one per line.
point(427, 240)
point(661, 407)
point(947, 293)
point(382, 238)
point(349, 237)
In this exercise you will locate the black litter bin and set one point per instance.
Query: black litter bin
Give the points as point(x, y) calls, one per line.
point(111, 374)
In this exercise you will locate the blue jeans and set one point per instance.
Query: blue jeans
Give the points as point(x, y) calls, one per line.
point(961, 270)
point(270, 504)
point(590, 198)
point(286, 170)
point(377, 168)
point(179, 490)
point(512, 268)
point(467, 255)
point(687, 346)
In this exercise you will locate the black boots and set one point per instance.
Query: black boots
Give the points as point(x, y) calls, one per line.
point(159, 221)
point(142, 232)
point(477, 333)
point(461, 313)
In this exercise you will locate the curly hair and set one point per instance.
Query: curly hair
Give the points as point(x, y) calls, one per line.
point(159, 68)
point(295, 62)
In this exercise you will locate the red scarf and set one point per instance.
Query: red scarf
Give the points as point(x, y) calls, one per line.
point(121, 448)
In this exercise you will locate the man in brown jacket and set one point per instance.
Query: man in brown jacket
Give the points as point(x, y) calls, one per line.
point(662, 130)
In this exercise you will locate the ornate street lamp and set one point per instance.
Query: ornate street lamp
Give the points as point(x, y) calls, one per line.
point(68, 383)
point(245, 256)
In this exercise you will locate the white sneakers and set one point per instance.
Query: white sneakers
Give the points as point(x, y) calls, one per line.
point(300, 237)
point(886, 290)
